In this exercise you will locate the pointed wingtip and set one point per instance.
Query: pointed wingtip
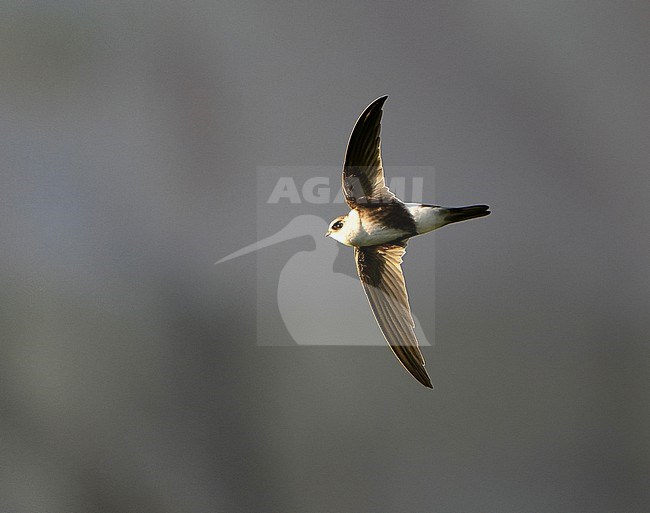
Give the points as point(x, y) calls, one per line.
point(379, 102)
point(424, 379)
point(375, 105)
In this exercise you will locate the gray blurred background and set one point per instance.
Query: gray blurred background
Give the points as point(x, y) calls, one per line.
point(131, 377)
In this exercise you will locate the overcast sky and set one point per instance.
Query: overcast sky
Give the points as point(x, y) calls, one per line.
point(137, 376)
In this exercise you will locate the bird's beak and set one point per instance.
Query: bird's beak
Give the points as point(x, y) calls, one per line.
point(327, 234)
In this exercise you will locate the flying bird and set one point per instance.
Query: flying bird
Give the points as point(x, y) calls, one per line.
point(378, 227)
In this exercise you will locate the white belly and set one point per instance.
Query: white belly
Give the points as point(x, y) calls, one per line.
point(427, 218)
point(359, 233)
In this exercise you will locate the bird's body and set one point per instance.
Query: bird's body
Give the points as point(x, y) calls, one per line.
point(378, 226)
point(386, 223)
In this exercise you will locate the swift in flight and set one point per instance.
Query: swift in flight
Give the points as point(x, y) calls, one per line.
point(378, 226)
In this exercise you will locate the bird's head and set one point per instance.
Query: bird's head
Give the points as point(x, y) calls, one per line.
point(337, 229)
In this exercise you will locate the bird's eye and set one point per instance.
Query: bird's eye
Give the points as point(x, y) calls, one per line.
point(337, 225)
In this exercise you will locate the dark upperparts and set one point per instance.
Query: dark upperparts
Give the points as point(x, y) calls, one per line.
point(391, 215)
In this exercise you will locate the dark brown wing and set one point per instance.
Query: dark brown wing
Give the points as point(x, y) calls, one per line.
point(363, 174)
point(380, 270)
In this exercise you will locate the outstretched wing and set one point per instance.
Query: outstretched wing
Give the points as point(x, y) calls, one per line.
point(380, 271)
point(363, 174)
